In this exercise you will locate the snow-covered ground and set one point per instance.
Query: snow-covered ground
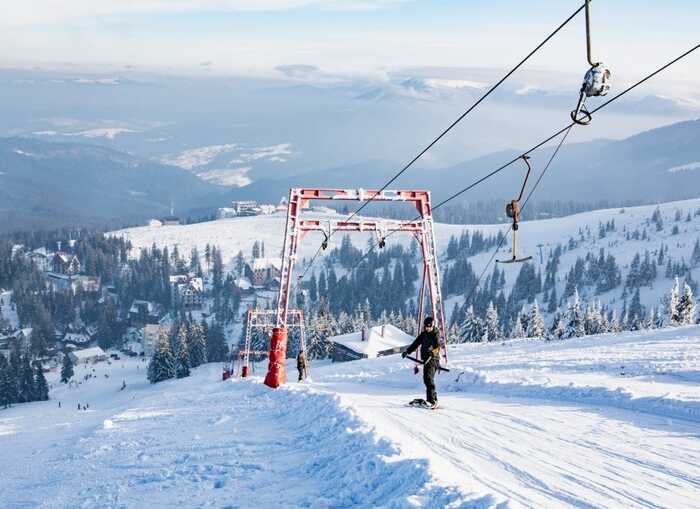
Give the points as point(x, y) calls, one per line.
point(609, 421)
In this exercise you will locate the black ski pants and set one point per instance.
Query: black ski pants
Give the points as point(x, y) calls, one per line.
point(429, 370)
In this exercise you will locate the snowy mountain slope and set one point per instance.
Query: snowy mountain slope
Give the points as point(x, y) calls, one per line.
point(201, 443)
point(527, 424)
point(232, 235)
point(608, 421)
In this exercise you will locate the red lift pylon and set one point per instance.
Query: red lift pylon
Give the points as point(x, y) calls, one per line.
point(296, 228)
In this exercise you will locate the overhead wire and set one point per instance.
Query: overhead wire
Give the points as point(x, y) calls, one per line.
point(566, 129)
point(455, 122)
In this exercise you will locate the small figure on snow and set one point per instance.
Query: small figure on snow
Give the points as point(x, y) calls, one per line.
point(301, 365)
point(430, 355)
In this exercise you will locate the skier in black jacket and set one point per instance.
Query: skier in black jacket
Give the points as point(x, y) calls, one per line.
point(430, 355)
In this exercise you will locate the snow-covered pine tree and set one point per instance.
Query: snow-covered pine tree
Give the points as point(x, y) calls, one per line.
point(536, 326)
point(614, 322)
point(196, 345)
point(182, 359)
point(558, 329)
point(66, 369)
point(26, 381)
point(592, 322)
point(674, 318)
point(517, 330)
point(41, 387)
point(492, 324)
point(686, 306)
point(575, 327)
point(472, 328)
point(317, 345)
point(217, 349)
point(162, 365)
point(7, 393)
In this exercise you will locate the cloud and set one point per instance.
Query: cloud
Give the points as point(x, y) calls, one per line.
point(48, 12)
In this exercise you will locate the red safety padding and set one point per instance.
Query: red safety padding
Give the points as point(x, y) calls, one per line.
point(276, 370)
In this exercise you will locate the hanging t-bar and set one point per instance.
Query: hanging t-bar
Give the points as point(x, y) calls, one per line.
point(513, 212)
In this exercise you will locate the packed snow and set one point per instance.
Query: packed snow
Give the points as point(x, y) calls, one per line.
point(608, 421)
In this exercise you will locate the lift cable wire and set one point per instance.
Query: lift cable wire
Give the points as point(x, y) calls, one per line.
point(545, 141)
point(313, 259)
point(452, 125)
point(510, 228)
point(469, 110)
point(562, 130)
point(540, 144)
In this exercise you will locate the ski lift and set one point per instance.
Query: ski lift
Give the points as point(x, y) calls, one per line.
point(513, 212)
point(596, 82)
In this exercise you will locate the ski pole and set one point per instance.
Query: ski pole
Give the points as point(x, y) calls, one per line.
point(418, 361)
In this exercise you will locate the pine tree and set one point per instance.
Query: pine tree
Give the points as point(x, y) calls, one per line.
point(552, 304)
point(162, 365)
point(7, 396)
point(196, 344)
point(558, 330)
point(41, 387)
point(674, 318)
point(536, 326)
point(686, 306)
point(517, 330)
point(67, 369)
point(471, 329)
point(575, 320)
point(217, 349)
point(492, 324)
point(26, 381)
point(182, 359)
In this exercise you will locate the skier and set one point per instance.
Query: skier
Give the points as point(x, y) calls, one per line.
point(301, 365)
point(430, 354)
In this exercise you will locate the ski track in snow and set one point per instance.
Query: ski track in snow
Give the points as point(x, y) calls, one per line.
point(608, 421)
point(199, 442)
point(548, 424)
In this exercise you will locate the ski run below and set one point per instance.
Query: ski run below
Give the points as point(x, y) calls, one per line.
point(607, 421)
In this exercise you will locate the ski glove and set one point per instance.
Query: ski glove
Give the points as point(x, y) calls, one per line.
point(404, 354)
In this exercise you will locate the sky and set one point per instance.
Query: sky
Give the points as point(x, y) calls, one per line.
point(254, 37)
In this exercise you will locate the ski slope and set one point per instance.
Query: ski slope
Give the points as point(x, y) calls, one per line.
point(609, 421)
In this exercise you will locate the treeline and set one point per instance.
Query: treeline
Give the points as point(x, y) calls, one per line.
point(184, 346)
point(145, 277)
point(21, 380)
point(385, 279)
point(490, 211)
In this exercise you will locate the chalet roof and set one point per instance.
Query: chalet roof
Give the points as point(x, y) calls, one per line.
point(88, 353)
point(264, 263)
point(375, 341)
point(76, 337)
